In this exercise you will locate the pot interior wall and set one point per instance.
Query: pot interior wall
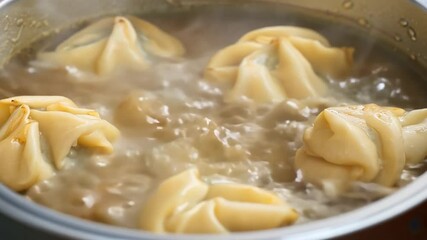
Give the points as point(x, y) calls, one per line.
point(399, 22)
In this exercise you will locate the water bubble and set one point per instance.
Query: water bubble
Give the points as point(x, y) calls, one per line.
point(174, 2)
point(397, 37)
point(379, 70)
point(412, 34)
point(348, 4)
point(18, 35)
point(403, 22)
point(19, 22)
point(33, 24)
point(383, 87)
point(363, 22)
point(380, 86)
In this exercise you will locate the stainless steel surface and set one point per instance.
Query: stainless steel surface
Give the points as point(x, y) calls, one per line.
point(399, 22)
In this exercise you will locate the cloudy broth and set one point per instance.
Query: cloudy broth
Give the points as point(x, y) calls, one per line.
point(172, 119)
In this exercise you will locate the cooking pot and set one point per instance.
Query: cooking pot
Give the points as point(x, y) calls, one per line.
point(400, 23)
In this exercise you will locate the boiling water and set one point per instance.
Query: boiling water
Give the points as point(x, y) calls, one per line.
point(172, 119)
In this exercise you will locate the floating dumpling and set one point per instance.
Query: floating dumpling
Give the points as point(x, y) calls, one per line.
point(114, 43)
point(185, 204)
point(276, 63)
point(365, 143)
point(325, 60)
point(414, 128)
point(62, 125)
point(22, 163)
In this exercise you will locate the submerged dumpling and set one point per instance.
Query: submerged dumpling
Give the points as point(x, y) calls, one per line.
point(114, 43)
point(185, 204)
point(143, 109)
point(365, 143)
point(276, 63)
point(61, 124)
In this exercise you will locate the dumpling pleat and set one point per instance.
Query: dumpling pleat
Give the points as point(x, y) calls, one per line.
point(185, 204)
point(63, 130)
point(276, 63)
point(365, 143)
point(22, 163)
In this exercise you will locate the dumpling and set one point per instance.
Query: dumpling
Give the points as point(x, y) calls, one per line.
point(61, 124)
point(325, 60)
point(114, 43)
point(177, 191)
point(63, 130)
point(365, 143)
point(414, 128)
point(232, 208)
point(22, 163)
point(276, 63)
point(263, 34)
point(185, 204)
point(143, 109)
